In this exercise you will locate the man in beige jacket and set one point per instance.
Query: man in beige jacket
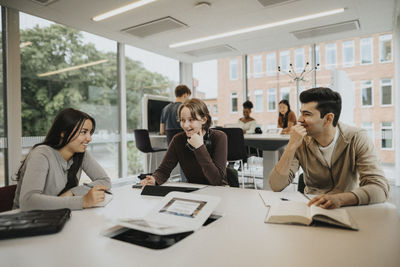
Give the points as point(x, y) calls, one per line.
point(340, 162)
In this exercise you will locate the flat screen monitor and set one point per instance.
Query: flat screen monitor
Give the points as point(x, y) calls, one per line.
point(152, 107)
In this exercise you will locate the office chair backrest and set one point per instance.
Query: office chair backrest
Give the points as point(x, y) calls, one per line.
point(142, 140)
point(232, 177)
point(236, 146)
point(171, 133)
point(7, 194)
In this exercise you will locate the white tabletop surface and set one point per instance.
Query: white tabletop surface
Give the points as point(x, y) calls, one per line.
point(239, 238)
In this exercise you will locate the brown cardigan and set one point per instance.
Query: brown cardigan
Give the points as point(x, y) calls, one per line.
point(291, 118)
point(199, 166)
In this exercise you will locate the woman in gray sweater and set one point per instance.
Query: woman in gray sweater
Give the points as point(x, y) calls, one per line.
point(49, 176)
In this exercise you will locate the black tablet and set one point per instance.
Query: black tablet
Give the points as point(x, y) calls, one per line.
point(156, 190)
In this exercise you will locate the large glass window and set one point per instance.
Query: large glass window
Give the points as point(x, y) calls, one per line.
point(299, 60)
point(366, 51)
point(152, 74)
point(258, 101)
point(385, 48)
point(348, 54)
point(271, 96)
point(366, 94)
point(284, 60)
point(330, 56)
point(234, 102)
point(62, 67)
point(233, 69)
point(271, 64)
point(258, 66)
point(387, 135)
point(386, 92)
point(285, 93)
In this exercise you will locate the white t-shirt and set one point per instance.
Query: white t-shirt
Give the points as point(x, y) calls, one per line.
point(328, 150)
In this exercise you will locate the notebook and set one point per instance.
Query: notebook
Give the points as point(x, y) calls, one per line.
point(31, 223)
point(177, 212)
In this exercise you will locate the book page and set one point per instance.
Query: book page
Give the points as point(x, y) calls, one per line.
point(339, 215)
point(290, 212)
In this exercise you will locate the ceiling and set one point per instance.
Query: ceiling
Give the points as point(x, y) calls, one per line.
point(374, 16)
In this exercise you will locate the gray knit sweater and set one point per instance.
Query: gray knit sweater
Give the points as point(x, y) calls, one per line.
point(44, 176)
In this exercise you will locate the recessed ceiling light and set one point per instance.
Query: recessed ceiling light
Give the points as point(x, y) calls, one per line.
point(72, 68)
point(122, 9)
point(259, 27)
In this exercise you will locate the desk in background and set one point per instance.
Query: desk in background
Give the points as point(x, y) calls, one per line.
point(239, 238)
point(270, 145)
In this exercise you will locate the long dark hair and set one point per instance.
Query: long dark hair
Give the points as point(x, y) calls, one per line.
point(285, 116)
point(66, 125)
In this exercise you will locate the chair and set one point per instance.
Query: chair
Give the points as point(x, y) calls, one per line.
point(236, 148)
point(232, 177)
point(7, 194)
point(300, 184)
point(171, 133)
point(143, 143)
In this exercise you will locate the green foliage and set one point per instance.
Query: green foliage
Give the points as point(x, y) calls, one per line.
point(91, 88)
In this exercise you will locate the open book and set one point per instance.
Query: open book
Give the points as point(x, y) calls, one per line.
point(293, 212)
point(177, 212)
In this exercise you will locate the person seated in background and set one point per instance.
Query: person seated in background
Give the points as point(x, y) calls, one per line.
point(200, 151)
point(286, 118)
point(247, 123)
point(169, 114)
point(339, 161)
point(49, 176)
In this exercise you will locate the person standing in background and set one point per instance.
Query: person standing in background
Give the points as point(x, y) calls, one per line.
point(169, 114)
point(247, 123)
point(286, 118)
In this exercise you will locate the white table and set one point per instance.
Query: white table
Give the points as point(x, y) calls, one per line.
point(270, 145)
point(239, 238)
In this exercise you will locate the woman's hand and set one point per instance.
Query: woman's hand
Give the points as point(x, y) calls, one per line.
point(94, 196)
point(196, 140)
point(149, 180)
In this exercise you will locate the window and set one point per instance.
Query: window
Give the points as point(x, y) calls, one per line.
point(271, 95)
point(369, 127)
point(348, 54)
point(366, 94)
point(330, 56)
point(387, 135)
point(366, 51)
point(258, 101)
point(215, 109)
point(92, 89)
point(385, 48)
point(234, 102)
point(317, 56)
point(285, 93)
point(233, 69)
point(258, 66)
point(299, 60)
point(386, 92)
point(271, 64)
point(284, 60)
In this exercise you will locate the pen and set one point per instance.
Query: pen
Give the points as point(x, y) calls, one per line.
point(91, 186)
point(306, 196)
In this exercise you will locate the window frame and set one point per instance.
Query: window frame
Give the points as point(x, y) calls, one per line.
point(233, 62)
point(232, 96)
point(328, 49)
point(381, 92)
point(284, 53)
point(371, 44)
point(259, 60)
point(269, 90)
point(380, 47)
point(269, 57)
point(381, 135)
point(361, 93)
point(258, 93)
point(345, 45)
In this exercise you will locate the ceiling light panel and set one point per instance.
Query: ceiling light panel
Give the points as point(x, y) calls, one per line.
point(122, 9)
point(155, 27)
point(259, 27)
